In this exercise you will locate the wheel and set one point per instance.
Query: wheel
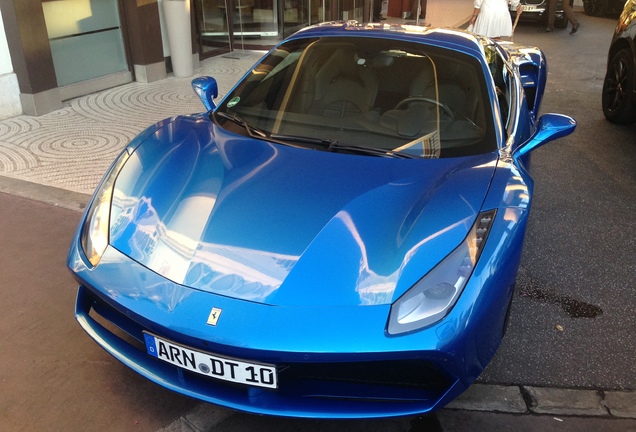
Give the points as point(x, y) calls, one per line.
point(594, 7)
point(412, 99)
point(618, 88)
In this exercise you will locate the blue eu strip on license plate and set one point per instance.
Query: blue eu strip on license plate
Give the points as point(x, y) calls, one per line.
point(223, 368)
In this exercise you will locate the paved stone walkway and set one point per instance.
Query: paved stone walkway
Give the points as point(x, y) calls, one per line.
point(71, 148)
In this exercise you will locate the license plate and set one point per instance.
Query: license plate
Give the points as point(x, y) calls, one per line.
point(528, 8)
point(223, 368)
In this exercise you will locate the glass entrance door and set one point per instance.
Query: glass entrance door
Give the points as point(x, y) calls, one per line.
point(351, 10)
point(255, 18)
point(301, 13)
point(252, 22)
point(213, 24)
point(226, 25)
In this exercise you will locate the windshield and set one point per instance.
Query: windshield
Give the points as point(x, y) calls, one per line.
point(384, 94)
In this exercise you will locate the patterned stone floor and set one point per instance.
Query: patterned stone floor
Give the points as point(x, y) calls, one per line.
point(72, 147)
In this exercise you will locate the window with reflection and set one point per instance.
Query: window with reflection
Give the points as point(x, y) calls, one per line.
point(394, 96)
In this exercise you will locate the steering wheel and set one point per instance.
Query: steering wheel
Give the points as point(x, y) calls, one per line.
point(411, 99)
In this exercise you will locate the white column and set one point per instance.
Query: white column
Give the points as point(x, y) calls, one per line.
point(177, 16)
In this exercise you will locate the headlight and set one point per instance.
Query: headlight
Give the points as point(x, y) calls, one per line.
point(433, 296)
point(94, 237)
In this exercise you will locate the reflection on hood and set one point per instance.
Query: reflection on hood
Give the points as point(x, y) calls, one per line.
point(286, 226)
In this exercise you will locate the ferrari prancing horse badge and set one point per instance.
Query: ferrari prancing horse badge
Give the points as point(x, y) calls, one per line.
point(214, 316)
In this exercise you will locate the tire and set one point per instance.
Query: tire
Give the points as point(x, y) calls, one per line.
point(594, 7)
point(618, 88)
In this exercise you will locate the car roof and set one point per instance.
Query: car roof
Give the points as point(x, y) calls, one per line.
point(449, 38)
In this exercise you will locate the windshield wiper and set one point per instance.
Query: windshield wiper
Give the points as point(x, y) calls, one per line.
point(374, 151)
point(252, 131)
point(327, 144)
point(332, 145)
point(303, 139)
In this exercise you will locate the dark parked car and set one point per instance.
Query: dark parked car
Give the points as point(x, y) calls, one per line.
point(619, 87)
point(537, 11)
point(602, 7)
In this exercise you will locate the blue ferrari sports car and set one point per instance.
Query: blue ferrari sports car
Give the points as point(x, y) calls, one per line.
point(338, 237)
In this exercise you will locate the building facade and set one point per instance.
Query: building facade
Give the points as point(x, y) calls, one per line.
point(55, 50)
point(10, 100)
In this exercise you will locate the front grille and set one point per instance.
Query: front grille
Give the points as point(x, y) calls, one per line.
point(117, 323)
point(411, 374)
point(381, 381)
point(406, 381)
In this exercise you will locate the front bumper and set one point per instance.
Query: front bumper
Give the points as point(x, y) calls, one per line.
point(306, 389)
point(333, 362)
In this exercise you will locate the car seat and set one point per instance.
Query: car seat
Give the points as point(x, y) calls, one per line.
point(344, 86)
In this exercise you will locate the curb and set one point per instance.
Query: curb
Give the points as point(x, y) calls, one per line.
point(201, 419)
point(55, 196)
point(504, 399)
point(522, 399)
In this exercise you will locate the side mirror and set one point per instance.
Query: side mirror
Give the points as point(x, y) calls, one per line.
point(549, 128)
point(207, 89)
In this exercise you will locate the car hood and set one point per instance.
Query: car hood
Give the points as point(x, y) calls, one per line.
point(279, 225)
